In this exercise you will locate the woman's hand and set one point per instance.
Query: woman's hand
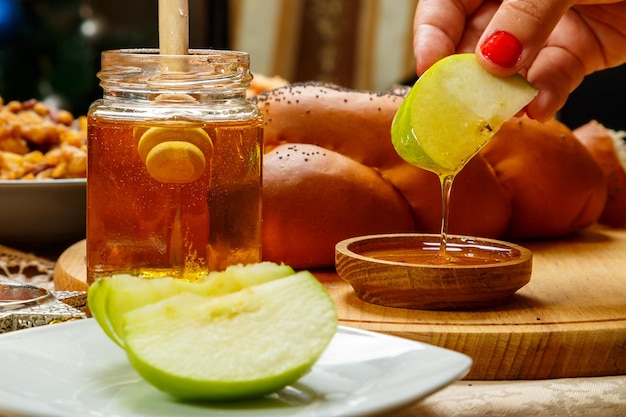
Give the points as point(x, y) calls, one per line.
point(554, 43)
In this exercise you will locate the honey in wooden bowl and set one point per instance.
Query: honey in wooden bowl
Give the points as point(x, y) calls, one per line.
point(405, 270)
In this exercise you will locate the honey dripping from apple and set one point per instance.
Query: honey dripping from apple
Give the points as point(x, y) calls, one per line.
point(461, 251)
point(443, 257)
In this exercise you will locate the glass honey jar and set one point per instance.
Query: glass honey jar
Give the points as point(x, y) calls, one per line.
point(174, 165)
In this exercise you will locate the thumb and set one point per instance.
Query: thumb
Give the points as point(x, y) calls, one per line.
point(516, 33)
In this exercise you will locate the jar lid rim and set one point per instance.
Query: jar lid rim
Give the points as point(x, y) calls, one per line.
point(193, 53)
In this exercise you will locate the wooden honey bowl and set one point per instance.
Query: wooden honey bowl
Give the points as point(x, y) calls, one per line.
point(398, 270)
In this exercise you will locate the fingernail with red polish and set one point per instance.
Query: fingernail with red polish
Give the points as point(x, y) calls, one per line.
point(503, 49)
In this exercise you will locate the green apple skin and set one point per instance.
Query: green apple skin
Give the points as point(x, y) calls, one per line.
point(96, 301)
point(237, 346)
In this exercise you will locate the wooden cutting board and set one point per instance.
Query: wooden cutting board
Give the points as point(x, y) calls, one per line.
point(569, 321)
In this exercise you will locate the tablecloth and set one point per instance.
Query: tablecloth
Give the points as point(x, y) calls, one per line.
point(569, 397)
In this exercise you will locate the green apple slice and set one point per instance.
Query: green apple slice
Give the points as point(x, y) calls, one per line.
point(237, 277)
point(453, 110)
point(236, 346)
point(127, 292)
point(97, 301)
point(111, 297)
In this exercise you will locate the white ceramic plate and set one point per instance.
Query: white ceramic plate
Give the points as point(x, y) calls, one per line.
point(73, 370)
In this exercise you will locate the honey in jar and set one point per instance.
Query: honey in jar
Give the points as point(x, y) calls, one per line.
point(174, 165)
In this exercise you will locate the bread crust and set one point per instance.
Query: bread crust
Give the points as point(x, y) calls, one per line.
point(597, 139)
point(532, 181)
point(556, 186)
point(314, 197)
point(351, 122)
point(357, 124)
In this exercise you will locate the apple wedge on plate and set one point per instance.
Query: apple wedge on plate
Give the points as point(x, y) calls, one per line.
point(242, 333)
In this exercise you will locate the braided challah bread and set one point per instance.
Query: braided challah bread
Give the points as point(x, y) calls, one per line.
point(331, 172)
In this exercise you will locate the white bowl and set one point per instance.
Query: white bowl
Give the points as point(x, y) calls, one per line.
point(42, 211)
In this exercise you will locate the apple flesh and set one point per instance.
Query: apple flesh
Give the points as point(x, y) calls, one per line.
point(111, 297)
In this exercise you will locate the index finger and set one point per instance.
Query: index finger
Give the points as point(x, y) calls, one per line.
point(438, 27)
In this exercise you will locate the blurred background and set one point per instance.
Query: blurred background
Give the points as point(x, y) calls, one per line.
point(50, 49)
